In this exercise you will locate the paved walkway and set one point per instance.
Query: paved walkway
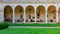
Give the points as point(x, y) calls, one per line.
point(31, 27)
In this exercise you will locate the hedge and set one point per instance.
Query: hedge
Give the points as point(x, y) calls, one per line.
point(4, 25)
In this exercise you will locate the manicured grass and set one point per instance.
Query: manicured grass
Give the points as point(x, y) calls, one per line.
point(14, 24)
point(30, 31)
point(35, 24)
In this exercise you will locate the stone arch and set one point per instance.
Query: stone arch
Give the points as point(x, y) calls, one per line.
point(8, 13)
point(40, 11)
point(29, 12)
point(51, 13)
point(59, 14)
point(19, 12)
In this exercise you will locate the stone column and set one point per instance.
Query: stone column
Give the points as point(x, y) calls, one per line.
point(13, 16)
point(46, 16)
point(24, 16)
point(35, 15)
point(57, 15)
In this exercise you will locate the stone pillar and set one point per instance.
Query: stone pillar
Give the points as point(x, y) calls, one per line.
point(13, 16)
point(46, 16)
point(35, 15)
point(57, 15)
point(24, 16)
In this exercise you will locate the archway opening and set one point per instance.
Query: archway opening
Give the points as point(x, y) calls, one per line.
point(40, 11)
point(8, 14)
point(30, 14)
point(51, 14)
point(59, 15)
point(19, 12)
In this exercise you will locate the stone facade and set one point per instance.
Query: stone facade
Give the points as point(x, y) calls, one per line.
point(31, 10)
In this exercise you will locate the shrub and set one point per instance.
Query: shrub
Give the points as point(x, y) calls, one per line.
point(4, 25)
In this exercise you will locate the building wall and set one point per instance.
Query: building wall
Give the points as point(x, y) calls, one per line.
point(1, 14)
point(25, 5)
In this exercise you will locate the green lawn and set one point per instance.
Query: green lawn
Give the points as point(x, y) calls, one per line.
point(34, 24)
point(14, 24)
point(30, 31)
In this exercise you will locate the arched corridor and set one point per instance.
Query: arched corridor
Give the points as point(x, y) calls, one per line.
point(29, 14)
point(8, 14)
point(40, 11)
point(59, 15)
point(51, 14)
point(19, 14)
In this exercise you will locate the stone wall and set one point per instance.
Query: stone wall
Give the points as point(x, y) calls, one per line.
point(30, 1)
point(1, 14)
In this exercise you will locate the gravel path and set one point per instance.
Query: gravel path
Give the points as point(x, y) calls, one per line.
point(31, 27)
